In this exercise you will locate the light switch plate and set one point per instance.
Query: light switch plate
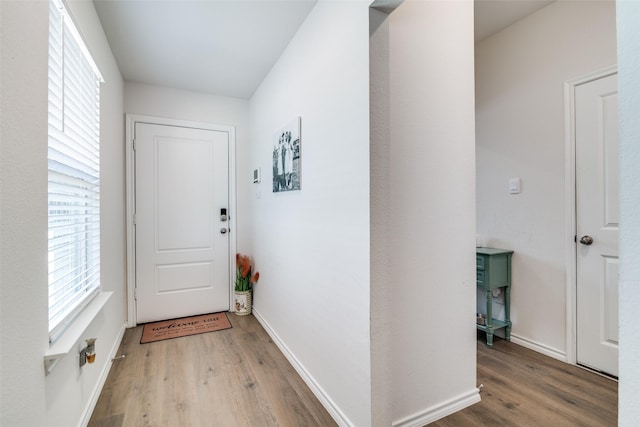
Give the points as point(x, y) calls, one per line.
point(514, 186)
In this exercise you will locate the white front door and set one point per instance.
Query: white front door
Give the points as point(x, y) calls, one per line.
point(597, 224)
point(182, 243)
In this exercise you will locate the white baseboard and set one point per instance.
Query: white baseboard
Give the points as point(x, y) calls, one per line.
point(316, 389)
point(440, 410)
point(540, 348)
point(103, 378)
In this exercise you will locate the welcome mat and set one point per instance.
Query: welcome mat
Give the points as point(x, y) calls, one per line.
point(175, 328)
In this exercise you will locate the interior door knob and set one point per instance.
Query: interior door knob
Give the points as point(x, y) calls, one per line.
point(586, 240)
point(223, 231)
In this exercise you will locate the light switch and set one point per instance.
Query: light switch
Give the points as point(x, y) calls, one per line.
point(514, 186)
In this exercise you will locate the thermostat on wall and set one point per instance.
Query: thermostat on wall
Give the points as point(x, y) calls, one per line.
point(256, 176)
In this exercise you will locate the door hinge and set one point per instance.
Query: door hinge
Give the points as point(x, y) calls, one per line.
point(135, 293)
point(134, 144)
point(134, 219)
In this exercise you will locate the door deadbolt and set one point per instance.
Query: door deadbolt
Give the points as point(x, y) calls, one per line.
point(586, 240)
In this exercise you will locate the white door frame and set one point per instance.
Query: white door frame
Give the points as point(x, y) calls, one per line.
point(131, 120)
point(570, 204)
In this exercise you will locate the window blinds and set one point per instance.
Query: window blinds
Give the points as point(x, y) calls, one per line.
point(74, 172)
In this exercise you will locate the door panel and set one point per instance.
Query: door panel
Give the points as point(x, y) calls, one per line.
point(183, 187)
point(597, 216)
point(182, 258)
point(181, 277)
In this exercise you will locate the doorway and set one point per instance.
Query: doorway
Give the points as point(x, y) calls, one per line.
point(594, 147)
point(180, 204)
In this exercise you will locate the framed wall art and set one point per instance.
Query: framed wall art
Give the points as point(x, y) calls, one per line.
point(286, 157)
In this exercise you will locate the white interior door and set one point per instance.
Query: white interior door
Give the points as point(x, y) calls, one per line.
point(182, 243)
point(597, 224)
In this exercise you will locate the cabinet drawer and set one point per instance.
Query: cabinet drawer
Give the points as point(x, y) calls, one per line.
point(479, 262)
point(479, 277)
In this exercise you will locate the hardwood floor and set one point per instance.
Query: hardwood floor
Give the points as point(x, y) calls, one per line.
point(526, 388)
point(238, 377)
point(234, 377)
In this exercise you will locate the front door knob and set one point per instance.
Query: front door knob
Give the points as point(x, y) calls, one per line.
point(586, 240)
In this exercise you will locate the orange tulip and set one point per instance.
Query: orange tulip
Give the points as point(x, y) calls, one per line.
point(244, 279)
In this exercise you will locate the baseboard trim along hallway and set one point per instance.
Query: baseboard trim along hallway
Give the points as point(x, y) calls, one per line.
point(316, 389)
point(441, 410)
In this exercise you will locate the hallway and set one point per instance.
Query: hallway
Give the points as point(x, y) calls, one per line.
point(234, 377)
point(525, 388)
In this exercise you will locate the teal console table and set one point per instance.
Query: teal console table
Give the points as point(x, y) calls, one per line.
point(493, 271)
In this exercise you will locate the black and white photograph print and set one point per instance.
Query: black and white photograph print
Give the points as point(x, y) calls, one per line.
point(286, 157)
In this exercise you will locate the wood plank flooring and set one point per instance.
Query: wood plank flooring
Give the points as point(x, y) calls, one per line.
point(234, 377)
point(238, 377)
point(525, 388)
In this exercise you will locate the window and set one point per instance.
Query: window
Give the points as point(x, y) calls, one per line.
point(74, 172)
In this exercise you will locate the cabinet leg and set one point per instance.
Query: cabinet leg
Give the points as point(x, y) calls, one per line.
point(507, 308)
point(489, 298)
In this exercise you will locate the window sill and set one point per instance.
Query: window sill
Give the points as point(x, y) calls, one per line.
point(67, 340)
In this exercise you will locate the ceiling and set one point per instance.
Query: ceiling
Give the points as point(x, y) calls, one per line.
point(227, 47)
point(492, 16)
point(224, 47)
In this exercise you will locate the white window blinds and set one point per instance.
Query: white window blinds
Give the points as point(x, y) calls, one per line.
point(74, 172)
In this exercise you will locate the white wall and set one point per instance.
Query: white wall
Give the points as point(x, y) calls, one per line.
point(520, 73)
point(64, 397)
point(23, 307)
point(381, 312)
point(628, 15)
point(431, 214)
point(200, 107)
point(311, 247)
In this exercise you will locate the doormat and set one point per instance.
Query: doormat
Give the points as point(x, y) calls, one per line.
point(185, 326)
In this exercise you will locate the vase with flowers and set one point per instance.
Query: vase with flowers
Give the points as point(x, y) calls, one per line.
point(244, 285)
